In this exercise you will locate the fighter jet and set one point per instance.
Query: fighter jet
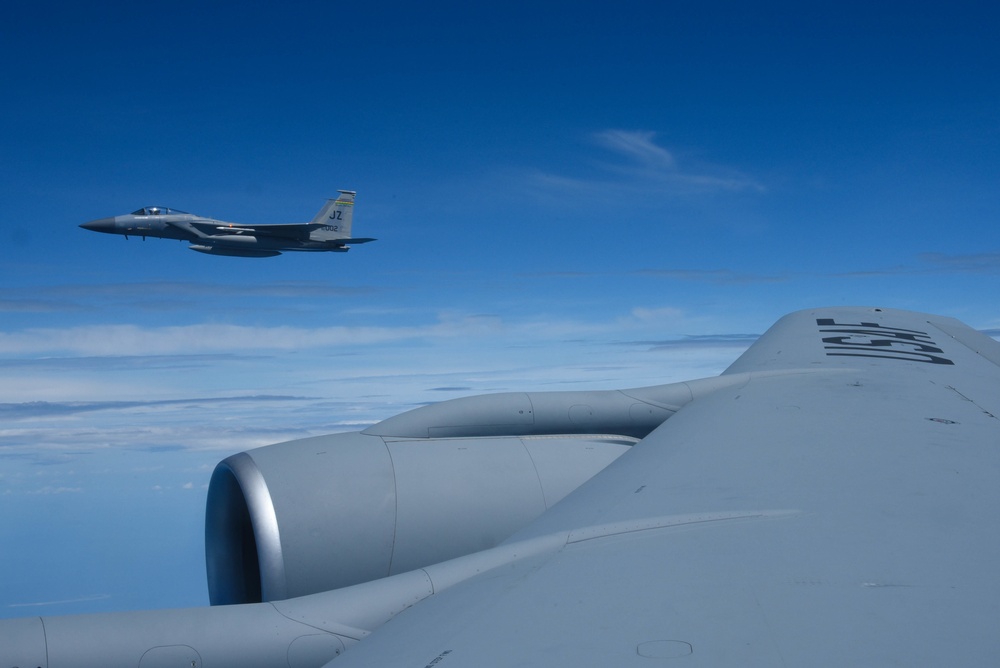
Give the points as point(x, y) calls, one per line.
point(330, 230)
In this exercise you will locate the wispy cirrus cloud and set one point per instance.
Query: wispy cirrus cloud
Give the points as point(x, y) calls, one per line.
point(714, 276)
point(185, 290)
point(924, 264)
point(933, 264)
point(638, 146)
point(710, 276)
point(978, 263)
point(40, 604)
point(138, 346)
point(166, 296)
point(699, 342)
point(37, 306)
point(640, 165)
point(132, 340)
point(48, 409)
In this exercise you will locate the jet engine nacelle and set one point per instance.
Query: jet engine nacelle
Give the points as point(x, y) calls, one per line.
point(431, 484)
point(322, 513)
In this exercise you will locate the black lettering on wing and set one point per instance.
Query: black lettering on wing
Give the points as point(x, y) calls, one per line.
point(890, 355)
point(828, 322)
point(870, 339)
point(880, 343)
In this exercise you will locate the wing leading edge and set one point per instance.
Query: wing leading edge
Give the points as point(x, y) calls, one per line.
point(856, 473)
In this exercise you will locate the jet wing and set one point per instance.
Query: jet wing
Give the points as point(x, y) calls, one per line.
point(834, 501)
point(293, 231)
point(289, 231)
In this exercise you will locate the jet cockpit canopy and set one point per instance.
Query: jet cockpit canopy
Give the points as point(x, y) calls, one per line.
point(156, 211)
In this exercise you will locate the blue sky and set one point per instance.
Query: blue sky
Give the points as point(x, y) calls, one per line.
point(566, 195)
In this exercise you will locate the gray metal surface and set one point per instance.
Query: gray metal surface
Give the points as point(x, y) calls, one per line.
point(332, 511)
point(329, 231)
point(867, 472)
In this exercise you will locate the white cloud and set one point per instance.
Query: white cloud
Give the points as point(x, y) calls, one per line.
point(38, 604)
point(117, 340)
point(644, 167)
point(638, 146)
point(56, 490)
point(667, 313)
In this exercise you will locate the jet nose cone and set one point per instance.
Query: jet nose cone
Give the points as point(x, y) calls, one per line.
point(100, 225)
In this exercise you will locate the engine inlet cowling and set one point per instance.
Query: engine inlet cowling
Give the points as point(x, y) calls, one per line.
point(322, 513)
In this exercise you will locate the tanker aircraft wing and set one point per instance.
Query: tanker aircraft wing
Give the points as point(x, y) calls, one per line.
point(833, 501)
point(830, 499)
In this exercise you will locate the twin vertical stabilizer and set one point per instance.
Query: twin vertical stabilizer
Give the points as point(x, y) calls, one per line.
point(335, 217)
